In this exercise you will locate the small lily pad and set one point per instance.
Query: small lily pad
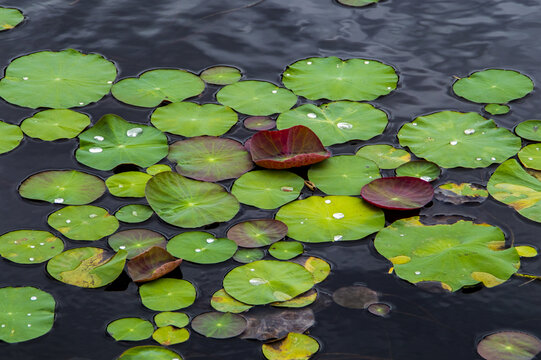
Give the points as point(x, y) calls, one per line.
point(319, 268)
point(167, 294)
point(130, 329)
point(201, 247)
point(299, 301)
point(221, 75)
point(285, 250)
point(9, 18)
point(221, 301)
point(379, 309)
point(509, 345)
point(158, 168)
point(167, 318)
point(357, 3)
point(10, 137)
point(54, 124)
point(529, 130)
point(257, 233)
point(134, 213)
point(128, 184)
point(246, 256)
point(385, 156)
point(271, 323)
point(170, 335)
point(30, 246)
point(136, 241)
point(497, 109)
point(530, 156)
point(259, 123)
point(526, 251)
point(149, 352)
point(424, 170)
point(219, 325)
point(460, 193)
point(294, 347)
point(355, 297)
point(83, 222)
point(152, 264)
point(398, 193)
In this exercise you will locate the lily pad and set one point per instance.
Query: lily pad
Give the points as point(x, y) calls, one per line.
point(69, 187)
point(171, 318)
point(379, 309)
point(530, 156)
point(294, 347)
point(113, 141)
point(257, 233)
point(256, 97)
point(87, 267)
point(201, 247)
point(221, 75)
point(337, 122)
point(355, 297)
point(158, 168)
point(319, 268)
point(336, 79)
point(332, 218)
point(10, 137)
point(221, 301)
point(30, 246)
point(130, 329)
point(343, 174)
point(9, 18)
point(189, 203)
point(136, 241)
point(497, 109)
point(210, 158)
point(83, 222)
point(299, 301)
point(285, 250)
point(357, 3)
point(170, 335)
point(460, 193)
point(529, 130)
point(398, 193)
point(259, 123)
point(271, 323)
point(167, 294)
point(190, 119)
point(59, 80)
point(134, 213)
point(128, 184)
point(246, 256)
point(424, 170)
point(27, 313)
point(152, 264)
point(154, 86)
point(148, 352)
point(219, 325)
point(54, 124)
point(385, 156)
point(509, 345)
point(452, 139)
point(456, 255)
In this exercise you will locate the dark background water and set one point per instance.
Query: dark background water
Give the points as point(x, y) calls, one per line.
point(426, 41)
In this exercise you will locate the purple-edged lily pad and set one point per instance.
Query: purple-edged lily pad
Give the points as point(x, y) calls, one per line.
point(259, 123)
point(398, 193)
point(257, 233)
point(152, 264)
point(509, 345)
point(136, 241)
point(283, 149)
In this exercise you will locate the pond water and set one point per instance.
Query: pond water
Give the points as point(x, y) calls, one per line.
point(428, 42)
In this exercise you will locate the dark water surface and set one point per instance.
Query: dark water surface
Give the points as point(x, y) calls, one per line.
point(426, 41)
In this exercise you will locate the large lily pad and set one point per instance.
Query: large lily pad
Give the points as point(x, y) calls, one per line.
point(294, 347)
point(189, 203)
point(452, 139)
point(9, 18)
point(54, 124)
point(128, 184)
point(114, 141)
point(219, 325)
point(272, 323)
point(167, 294)
point(60, 80)
point(130, 329)
point(221, 75)
point(529, 130)
point(136, 241)
point(10, 137)
point(30, 246)
point(398, 193)
point(385, 156)
point(457, 255)
point(509, 345)
point(257, 233)
point(152, 264)
point(83, 222)
point(331, 218)
point(149, 352)
point(221, 301)
point(530, 156)
point(201, 247)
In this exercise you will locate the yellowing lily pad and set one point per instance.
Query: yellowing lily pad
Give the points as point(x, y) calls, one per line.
point(83, 222)
point(293, 347)
point(9, 18)
point(319, 268)
point(460, 193)
point(385, 156)
point(170, 335)
point(298, 301)
point(221, 301)
point(30, 246)
point(54, 124)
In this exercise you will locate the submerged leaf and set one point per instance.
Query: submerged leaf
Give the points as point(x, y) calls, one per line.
point(509, 345)
point(355, 297)
point(272, 323)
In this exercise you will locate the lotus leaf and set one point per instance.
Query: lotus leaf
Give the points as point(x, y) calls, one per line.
point(219, 325)
point(27, 313)
point(336, 79)
point(136, 241)
point(460, 193)
point(246, 256)
point(272, 323)
point(210, 158)
point(385, 156)
point(167, 294)
point(332, 218)
point(10, 137)
point(128, 184)
point(130, 329)
point(189, 203)
point(259, 123)
point(424, 170)
point(509, 345)
point(294, 347)
point(60, 80)
point(529, 130)
point(451, 139)
point(134, 213)
point(152, 264)
point(30, 246)
point(148, 352)
point(497, 109)
point(355, 297)
point(221, 75)
point(379, 309)
point(201, 247)
point(221, 301)
point(154, 86)
point(530, 156)
point(54, 124)
point(299, 301)
point(257, 233)
point(170, 335)
point(87, 267)
point(158, 168)
point(285, 250)
point(9, 18)
point(456, 255)
point(68, 187)
point(319, 269)
point(171, 318)
point(83, 222)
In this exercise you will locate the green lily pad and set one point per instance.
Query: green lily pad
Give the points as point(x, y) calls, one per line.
point(158, 168)
point(509, 345)
point(130, 329)
point(30, 246)
point(497, 109)
point(299, 301)
point(210, 158)
point(331, 218)
point(154, 86)
point(113, 141)
point(54, 124)
point(171, 318)
point(170, 335)
point(452, 139)
point(267, 189)
point(337, 122)
point(457, 255)
point(272, 323)
point(27, 313)
point(83, 222)
point(257, 233)
point(246, 256)
point(152, 264)
point(59, 80)
point(293, 347)
point(219, 325)
point(355, 297)
point(343, 174)
point(336, 79)
point(128, 184)
point(189, 203)
point(421, 169)
point(460, 193)
point(493, 86)
point(530, 156)
point(87, 267)
point(221, 75)
point(149, 352)
point(256, 98)
point(385, 156)
point(68, 187)
point(221, 301)
point(259, 123)
point(319, 268)
point(190, 119)
point(134, 213)
point(167, 294)
point(285, 250)
point(136, 241)
point(201, 247)
point(529, 130)
point(265, 281)
point(10, 137)
point(9, 18)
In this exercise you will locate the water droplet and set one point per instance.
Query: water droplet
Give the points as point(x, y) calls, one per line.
point(367, 62)
point(134, 132)
point(302, 222)
point(32, 246)
point(95, 150)
point(68, 221)
point(58, 201)
point(308, 63)
point(311, 115)
point(338, 215)
point(197, 250)
point(33, 298)
point(257, 281)
point(401, 234)
point(109, 82)
point(28, 314)
point(274, 91)
point(530, 158)
point(25, 77)
point(327, 201)
point(478, 159)
point(493, 158)
point(286, 188)
point(92, 216)
point(42, 244)
point(81, 103)
point(389, 88)
point(99, 138)
point(3, 325)
point(210, 240)
point(414, 124)
point(344, 125)
point(337, 237)
point(122, 247)
point(454, 142)
point(29, 325)
point(426, 178)
point(288, 74)
point(417, 273)
point(469, 131)
point(252, 269)
point(31, 259)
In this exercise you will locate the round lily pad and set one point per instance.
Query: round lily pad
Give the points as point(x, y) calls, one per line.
point(509, 345)
point(331, 218)
point(152, 264)
point(343, 174)
point(30, 246)
point(529, 130)
point(210, 158)
point(357, 3)
point(130, 329)
point(460, 193)
point(265, 281)
point(154, 86)
point(379, 309)
point(189, 203)
point(530, 156)
point(257, 233)
point(219, 325)
point(113, 141)
point(54, 124)
point(267, 189)
point(221, 75)
point(83, 222)
point(385, 156)
point(171, 318)
point(337, 122)
point(497, 109)
point(246, 256)
point(398, 193)
point(190, 119)
point(136, 241)
point(167, 294)
point(134, 213)
point(201, 247)
point(320, 269)
point(27, 313)
point(68, 187)
point(221, 301)
point(298, 301)
point(170, 335)
point(149, 352)
point(424, 170)
point(10, 137)
point(285, 250)
point(452, 139)
point(355, 297)
point(336, 79)
point(60, 80)
point(256, 97)
point(493, 86)
point(272, 323)
point(158, 168)
point(259, 123)
point(128, 184)
point(9, 18)
point(293, 347)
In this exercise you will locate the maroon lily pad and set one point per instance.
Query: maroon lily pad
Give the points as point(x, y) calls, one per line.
point(257, 233)
point(259, 123)
point(152, 264)
point(284, 149)
point(398, 193)
point(509, 345)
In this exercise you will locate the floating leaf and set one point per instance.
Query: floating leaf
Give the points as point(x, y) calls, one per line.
point(526, 251)
point(530, 156)
point(54, 124)
point(379, 309)
point(154, 86)
point(9, 18)
point(424, 170)
point(497, 109)
point(385, 156)
point(136, 241)
point(293, 347)
point(285, 250)
point(201, 247)
point(221, 301)
point(259, 123)
point(148, 352)
point(257, 233)
point(158, 168)
point(355, 297)
point(272, 323)
point(299, 301)
point(167, 294)
point(460, 193)
point(529, 130)
point(221, 75)
point(58, 80)
point(170, 335)
point(152, 264)
point(509, 345)
point(246, 256)
point(130, 329)
point(319, 269)
point(128, 184)
point(113, 141)
point(171, 318)
point(83, 222)
point(219, 325)
point(69, 187)
point(10, 137)
point(357, 3)
point(30, 246)
point(134, 213)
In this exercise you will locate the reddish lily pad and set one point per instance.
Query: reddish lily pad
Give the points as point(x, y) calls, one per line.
point(257, 233)
point(379, 309)
point(259, 123)
point(271, 323)
point(136, 241)
point(152, 264)
point(398, 193)
point(509, 345)
point(355, 297)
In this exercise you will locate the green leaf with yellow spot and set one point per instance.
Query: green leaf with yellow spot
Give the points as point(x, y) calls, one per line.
point(170, 335)
point(293, 347)
point(9, 18)
point(30, 246)
point(221, 301)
